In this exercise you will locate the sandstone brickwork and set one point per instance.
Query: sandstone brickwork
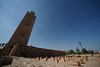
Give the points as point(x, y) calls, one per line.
point(21, 37)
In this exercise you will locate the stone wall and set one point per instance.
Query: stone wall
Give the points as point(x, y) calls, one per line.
point(28, 51)
point(0, 51)
point(21, 37)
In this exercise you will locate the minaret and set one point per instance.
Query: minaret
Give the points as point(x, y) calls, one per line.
point(22, 33)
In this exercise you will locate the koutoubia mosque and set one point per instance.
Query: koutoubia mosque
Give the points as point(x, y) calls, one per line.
point(17, 45)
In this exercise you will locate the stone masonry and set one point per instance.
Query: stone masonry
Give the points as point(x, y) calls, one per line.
point(17, 45)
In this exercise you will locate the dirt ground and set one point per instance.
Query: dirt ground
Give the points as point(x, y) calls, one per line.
point(30, 62)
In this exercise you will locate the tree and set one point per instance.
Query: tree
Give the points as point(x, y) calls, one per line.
point(80, 45)
point(71, 52)
point(65, 52)
point(77, 50)
point(84, 51)
point(91, 52)
point(2, 45)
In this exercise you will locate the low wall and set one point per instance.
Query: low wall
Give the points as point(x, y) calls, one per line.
point(28, 51)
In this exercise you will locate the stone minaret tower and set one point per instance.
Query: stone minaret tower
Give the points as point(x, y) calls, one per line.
point(22, 33)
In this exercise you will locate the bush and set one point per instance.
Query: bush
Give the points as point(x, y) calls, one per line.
point(84, 51)
point(71, 52)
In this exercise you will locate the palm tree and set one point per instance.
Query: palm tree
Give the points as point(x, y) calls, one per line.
point(77, 50)
point(80, 45)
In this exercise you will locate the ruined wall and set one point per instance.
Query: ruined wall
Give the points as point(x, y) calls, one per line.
point(28, 51)
point(21, 36)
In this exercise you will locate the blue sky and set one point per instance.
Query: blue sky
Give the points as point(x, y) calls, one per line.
point(60, 24)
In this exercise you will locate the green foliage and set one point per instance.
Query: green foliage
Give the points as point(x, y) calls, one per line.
point(79, 42)
point(78, 51)
point(84, 51)
point(91, 52)
point(65, 52)
point(71, 52)
point(2, 45)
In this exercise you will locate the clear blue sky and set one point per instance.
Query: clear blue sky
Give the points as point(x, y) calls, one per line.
point(60, 24)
